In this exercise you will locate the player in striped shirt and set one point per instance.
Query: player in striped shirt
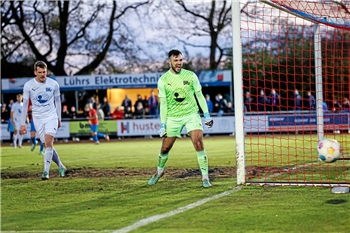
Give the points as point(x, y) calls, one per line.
point(178, 90)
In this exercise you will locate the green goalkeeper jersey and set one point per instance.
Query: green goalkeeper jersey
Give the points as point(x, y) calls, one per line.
point(179, 89)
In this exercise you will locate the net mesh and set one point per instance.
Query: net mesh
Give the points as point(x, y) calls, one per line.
point(280, 95)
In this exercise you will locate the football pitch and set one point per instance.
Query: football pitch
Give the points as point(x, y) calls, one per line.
point(106, 190)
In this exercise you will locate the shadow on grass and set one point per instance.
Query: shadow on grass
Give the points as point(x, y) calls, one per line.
point(336, 201)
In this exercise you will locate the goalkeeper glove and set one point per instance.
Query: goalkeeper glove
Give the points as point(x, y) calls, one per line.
point(162, 131)
point(208, 120)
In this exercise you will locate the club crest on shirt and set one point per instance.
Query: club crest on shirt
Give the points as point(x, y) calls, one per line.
point(42, 97)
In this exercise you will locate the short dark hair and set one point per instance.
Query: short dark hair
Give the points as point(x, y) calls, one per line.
point(174, 52)
point(40, 64)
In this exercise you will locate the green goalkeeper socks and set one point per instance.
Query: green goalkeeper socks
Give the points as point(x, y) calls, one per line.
point(162, 158)
point(203, 162)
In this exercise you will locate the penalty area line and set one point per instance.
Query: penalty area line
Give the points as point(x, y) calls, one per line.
point(146, 221)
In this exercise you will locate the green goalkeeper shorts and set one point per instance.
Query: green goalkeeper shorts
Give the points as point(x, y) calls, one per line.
point(174, 126)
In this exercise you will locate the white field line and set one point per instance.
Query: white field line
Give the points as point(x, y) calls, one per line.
point(58, 231)
point(146, 221)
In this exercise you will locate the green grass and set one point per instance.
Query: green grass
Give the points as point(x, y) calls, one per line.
point(119, 196)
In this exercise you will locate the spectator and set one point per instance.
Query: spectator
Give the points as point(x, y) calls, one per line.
point(118, 113)
point(139, 112)
point(100, 113)
point(9, 106)
point(73, 113)
point(262, 101)
point(230, 109)
point(220, 104)
point(297, 100)
point(145, 104)
point(5, 113)
point(312, 101)
point(128, 113)
point(153, 105)
point(209, 103)
point(93, 101)
point(346, 105)
point(65, 112)
point(336, 106)
point(248, 100)
point(126, 102)
point(139, 100)
point(106, 107)
point(324, 107)
point(85, 113)
point(274, 100)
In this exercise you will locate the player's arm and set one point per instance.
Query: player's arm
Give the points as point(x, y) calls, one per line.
point(58, 105)
point(201, 101)
point(163, 108)
point(24, 116)
point(12, 115)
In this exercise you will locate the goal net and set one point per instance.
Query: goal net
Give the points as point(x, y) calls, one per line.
point(296, 88)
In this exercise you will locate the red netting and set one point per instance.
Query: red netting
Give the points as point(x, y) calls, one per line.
point(280, 95)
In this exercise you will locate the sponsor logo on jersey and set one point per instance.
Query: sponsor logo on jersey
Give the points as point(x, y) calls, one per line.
point(42, 97)
point(179, 95)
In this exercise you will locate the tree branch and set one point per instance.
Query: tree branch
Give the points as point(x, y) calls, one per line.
point(19, 23)
point(46, 32)
point(91, 66)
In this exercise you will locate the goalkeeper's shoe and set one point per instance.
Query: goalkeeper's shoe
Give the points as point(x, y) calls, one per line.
point(62, 172)
point(154, 179)
point(206, 183)
point(45, 176)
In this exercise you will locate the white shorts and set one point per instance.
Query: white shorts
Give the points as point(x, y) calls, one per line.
point(46, 126)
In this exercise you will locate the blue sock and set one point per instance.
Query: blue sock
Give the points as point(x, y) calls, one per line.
point(95, 138)
point(100, 135)
point(33, 139)
point(41, 146)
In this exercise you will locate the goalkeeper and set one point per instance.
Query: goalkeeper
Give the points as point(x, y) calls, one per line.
point(178, 108)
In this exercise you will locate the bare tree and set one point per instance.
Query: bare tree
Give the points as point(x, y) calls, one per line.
point(70, 36)
point(199, 25)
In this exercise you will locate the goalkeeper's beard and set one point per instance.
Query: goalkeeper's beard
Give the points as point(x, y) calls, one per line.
point(174, 69)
